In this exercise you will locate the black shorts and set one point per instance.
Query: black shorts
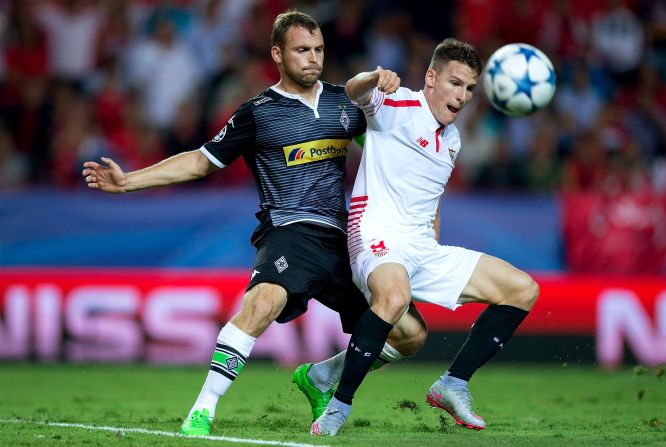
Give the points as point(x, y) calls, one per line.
point(309, 261)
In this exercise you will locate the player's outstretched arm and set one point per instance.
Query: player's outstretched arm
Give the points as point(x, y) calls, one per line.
point(180, 168)
point(359, 87)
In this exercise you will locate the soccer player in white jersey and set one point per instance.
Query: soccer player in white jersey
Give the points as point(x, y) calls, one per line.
point(410, 151)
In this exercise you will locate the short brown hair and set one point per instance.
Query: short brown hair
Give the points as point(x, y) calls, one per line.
point(456, 50)
point(288, 19)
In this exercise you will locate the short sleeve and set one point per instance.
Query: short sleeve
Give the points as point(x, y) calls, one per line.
point(235, 138)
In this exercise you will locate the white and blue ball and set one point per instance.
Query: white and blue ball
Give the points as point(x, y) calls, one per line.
point(519, 79)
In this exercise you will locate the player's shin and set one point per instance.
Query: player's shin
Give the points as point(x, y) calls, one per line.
point(365, 345)
point(231, 352)
point(491, 331)
point(325, 374)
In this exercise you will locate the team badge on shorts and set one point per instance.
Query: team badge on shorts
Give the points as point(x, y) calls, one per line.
point(281, 264)
point(379, 249)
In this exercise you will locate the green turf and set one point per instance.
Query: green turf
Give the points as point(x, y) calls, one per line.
point(523, 405)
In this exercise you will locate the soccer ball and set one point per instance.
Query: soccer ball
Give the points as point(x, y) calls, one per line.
point(519, 79)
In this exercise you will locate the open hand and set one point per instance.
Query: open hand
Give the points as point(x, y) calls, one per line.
point(106, 178)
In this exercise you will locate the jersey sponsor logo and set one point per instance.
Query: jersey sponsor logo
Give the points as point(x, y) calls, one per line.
point(296, 154)
point(314, 151)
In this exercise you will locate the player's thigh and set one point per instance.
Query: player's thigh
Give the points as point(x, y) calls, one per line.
point(443, 273)
point(495, 281)
point(390, 292)
point(296, 257)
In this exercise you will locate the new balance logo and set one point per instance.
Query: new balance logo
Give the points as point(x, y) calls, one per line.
point(422, 142)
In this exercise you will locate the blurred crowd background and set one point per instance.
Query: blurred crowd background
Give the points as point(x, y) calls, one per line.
point(139, 80)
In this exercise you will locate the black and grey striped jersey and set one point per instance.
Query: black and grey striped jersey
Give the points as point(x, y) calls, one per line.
point(295, 152)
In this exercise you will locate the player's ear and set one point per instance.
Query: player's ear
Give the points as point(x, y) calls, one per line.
point(430, 76)
point(276, 54)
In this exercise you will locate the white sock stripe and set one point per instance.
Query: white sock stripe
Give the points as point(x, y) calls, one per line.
point(159, 433)
point(390, 354)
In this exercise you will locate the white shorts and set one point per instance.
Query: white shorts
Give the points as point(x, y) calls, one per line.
point(438, 273)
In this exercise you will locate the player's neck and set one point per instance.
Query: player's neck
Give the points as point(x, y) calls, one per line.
point(309, 94)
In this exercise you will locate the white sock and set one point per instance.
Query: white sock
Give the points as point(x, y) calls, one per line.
point(325, 374)
point(388, 355)
point(231, 352)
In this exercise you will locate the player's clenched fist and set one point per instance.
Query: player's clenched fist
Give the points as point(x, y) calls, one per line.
point(387, 80)
point(106, 178)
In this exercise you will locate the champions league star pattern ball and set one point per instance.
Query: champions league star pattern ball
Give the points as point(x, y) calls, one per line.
point(519, 79)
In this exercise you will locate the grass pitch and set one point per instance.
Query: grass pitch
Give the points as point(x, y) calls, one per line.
point(524, 405)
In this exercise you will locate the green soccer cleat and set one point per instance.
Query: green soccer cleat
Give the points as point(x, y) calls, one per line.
point(317, 399)
point(196, 424)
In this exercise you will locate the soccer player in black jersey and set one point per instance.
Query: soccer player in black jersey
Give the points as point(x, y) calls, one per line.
point(293, 137)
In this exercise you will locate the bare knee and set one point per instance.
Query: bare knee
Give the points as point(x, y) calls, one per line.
point(525, 292)
point(261, 306)
point(390, 306)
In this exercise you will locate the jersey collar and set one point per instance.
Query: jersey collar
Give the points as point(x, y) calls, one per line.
point(320, 88)
point(429, 118)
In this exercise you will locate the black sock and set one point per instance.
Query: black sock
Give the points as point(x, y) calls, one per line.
point(365, 345)
point(490, 332)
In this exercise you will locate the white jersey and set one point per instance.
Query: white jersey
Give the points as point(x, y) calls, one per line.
point(407, 161)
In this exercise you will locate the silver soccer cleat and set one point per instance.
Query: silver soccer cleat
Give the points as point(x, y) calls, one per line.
point(458, 403)
point(328, 423)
